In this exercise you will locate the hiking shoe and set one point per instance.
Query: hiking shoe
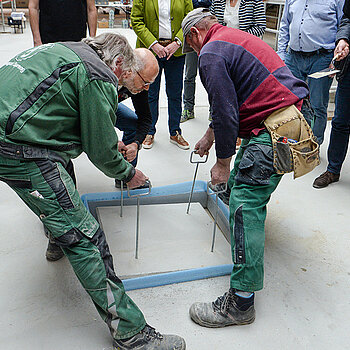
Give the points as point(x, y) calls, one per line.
point(148, 142)
point(53, 252)
point(227, 310)
point(149, 339)
point(186, 115)
point(179, 141)
point(325, 179)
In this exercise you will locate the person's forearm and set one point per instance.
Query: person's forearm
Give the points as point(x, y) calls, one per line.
point(92, 21)
point(34, 25)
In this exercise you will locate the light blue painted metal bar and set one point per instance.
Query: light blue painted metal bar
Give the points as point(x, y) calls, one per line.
point(177, 193)
point(176, 277)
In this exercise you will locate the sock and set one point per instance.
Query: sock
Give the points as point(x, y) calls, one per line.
point(244, 300)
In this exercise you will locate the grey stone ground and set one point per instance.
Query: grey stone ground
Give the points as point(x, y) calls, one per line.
point(305, 301)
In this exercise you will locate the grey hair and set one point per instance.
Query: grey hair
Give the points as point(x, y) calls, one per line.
point(110, 47)
point(205, 23)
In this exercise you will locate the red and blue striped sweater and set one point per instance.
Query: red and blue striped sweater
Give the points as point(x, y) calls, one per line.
point(246, 81)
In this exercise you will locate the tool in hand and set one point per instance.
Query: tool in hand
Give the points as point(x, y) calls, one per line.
point(195, 175)
point(121, 198)
point(326, 72)
point(138, 195)
point(221, 188)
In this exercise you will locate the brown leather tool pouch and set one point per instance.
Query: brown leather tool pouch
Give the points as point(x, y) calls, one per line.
point(294, 145)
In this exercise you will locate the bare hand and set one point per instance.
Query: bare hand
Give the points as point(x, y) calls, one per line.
point(204, 144)
point(138, 180)
point(131, 151)
point(342, 49)
point(122, 148)
point(159, 50)
point(220, 172)
point(171, 48)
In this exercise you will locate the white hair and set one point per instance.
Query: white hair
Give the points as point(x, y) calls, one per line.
point(110, 47)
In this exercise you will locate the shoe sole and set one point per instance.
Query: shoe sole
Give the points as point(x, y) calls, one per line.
point(185, 120)
point(210, 325)
point(182, 147)
point(147, 146)
point(316, 186)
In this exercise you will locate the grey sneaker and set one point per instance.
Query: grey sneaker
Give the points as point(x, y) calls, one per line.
point(149, 339)
point(186, 115)
point(227, 310)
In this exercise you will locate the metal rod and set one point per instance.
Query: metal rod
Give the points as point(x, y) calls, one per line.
point(194, 180)
point(137, 227)
point(195, 175)
point(121, 198)
point(215, 220)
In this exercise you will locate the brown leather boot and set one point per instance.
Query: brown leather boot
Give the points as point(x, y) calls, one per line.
point(325, 179)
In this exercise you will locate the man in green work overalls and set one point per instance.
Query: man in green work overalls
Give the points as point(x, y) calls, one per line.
point(57, 101)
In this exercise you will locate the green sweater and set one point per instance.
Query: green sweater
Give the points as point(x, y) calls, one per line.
point(62, 97)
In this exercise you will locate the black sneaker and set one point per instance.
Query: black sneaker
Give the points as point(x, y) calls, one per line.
point(53, 252)
point(227, 310)
point(118, 184)
point(149, 339)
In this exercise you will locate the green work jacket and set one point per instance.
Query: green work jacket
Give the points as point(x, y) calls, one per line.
point(62, 97)
point(145, 21)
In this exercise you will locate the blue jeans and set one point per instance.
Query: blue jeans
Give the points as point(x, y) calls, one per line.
point(173, 70)
point(339, 140)
point(191, 64)
point(127, 122)
point(301, 66)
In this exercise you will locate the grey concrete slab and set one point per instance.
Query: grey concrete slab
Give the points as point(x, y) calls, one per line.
point(304, 304)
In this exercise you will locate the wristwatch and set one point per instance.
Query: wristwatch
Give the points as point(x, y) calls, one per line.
point(178, 41)
point(139, 145)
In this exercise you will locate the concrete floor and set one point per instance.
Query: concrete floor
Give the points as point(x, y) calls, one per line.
point(304, 304)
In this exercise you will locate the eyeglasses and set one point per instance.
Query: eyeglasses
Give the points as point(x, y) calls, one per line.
point(145, 83)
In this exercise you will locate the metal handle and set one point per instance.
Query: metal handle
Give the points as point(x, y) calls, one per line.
point(210, 191)
point(204, 160)
point(194, 177)
point(148, 182)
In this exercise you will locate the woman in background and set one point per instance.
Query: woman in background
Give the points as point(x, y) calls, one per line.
point(246, 15)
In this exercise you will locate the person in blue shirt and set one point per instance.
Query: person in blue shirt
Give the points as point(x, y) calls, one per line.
point(339, 139)
point(191, 65)
point(308, 28)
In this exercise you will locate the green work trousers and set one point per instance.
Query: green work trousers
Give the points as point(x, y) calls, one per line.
point(49, 191)
point(252, 181)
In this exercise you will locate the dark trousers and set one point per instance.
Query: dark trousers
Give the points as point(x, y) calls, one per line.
point(173, 70)
point(339, 140)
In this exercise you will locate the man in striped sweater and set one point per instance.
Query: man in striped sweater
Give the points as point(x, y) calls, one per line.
point(246, 82)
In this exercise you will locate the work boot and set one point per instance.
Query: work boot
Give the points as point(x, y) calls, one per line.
point(148, 142)
point(227, 310)
point(149, 339)
point(179, 141)
point(186, 115)
point(53, 251)
point(325, 179)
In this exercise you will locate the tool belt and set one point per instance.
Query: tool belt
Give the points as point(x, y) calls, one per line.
point(13, 151)
point(164, 42)
point(293, 142)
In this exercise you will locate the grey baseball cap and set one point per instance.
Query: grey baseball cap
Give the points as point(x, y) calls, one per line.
point(191, 20)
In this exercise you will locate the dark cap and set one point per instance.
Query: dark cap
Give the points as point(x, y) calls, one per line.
point(191, 20)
